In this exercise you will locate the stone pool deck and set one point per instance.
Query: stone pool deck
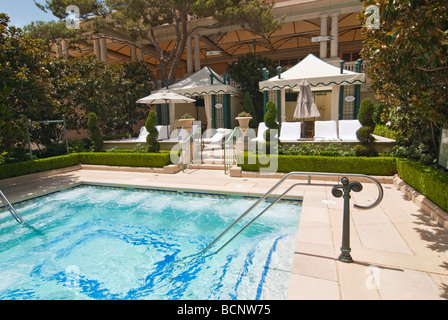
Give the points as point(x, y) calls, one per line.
point(399, 252)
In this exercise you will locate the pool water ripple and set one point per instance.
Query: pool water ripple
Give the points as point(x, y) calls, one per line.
point(100, 243)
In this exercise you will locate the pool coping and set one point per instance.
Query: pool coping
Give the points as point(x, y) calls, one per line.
point(316, 272)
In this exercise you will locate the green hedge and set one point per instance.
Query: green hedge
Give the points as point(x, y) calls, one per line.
point(157, 160)
point(381, 166)
point(430, 182)
point(33, 166)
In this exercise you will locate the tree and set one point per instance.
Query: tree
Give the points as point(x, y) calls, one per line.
point(25, 88)
point(84, 84)
point(247, 71)
point(364, 134)
point(153, 133)
point(408, 57)
point(95, 132)
point(248, 106)
point(140, 17)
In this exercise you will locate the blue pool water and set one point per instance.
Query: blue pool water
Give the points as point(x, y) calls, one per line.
point(91, 242)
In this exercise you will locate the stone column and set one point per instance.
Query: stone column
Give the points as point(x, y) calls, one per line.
point(197, 54)
point(189, 56)
point(133, 53)
point(96, 48)
point(334, 34)
point(323, 32)
point(103, 46)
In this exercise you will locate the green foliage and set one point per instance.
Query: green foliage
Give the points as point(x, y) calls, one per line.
point(157, 160)
point(364, 134)
point(317, 149)
point(432, 183)
point(383, 166)
point(248, 106)
point(138, 17)
point(83, 85)
point(95, 132)
point(409, 70)
point(40, 165)
point(385, 131)
point(270, 121)
point(365, 115)
point(153, 133)
point(253, 14)
point(270, 118)
point(25, 88)
point(247, 71)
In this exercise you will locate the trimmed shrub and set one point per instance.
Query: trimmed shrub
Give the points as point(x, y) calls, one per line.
point(153, 133)
point(95, 132)
point(364, 134)
point(382, 166)
point(157, 160)
point(430, 182)
point(366, 110)
point(33, 166)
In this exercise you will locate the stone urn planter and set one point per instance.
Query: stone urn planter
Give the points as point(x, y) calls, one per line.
point(243, 121)
point(187, 123)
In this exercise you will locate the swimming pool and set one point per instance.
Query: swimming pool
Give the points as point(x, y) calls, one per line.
point(93, 242)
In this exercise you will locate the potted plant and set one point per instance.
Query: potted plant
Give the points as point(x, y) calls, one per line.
point(187, 121)
point(243, 120)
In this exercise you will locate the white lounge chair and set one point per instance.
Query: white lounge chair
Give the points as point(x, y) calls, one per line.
point(177, 135)
point(218, 136)
point(260, 134)
point(290, 131)
point(347, 130)
point(325, 130)
point(164, 132)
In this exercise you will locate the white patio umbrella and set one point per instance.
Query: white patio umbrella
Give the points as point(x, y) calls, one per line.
point(305, 108)
point(165, 96)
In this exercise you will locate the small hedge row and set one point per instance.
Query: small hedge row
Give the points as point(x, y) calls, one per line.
point(153, 160)
point(380, 166)
point(33, 166)
point(429, 182)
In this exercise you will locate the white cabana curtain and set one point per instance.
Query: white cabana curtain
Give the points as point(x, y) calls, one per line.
point(208, 110)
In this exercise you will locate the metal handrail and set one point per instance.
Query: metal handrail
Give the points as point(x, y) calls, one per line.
point(11, 209)
point(355, 186)
point(231, 155)
point(187, 140)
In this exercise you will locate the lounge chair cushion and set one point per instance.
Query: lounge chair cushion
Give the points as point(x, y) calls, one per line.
point(325, 130)
point(290, 131)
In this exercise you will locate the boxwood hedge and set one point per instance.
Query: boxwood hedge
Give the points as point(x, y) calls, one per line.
point(156, 160)
point(33, 166)
point(381, 166)
point(430, 182)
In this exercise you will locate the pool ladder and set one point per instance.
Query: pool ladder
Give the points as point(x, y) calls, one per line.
point(339, 190)
point(11, 209)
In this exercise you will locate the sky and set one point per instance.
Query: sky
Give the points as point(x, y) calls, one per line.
point(23, 12)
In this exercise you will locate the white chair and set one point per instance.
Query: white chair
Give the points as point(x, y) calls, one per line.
point(290, 131)
point(177, 135)
point(325, 130)
point(348, 128)
point(164, 132)
point(260, 134)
